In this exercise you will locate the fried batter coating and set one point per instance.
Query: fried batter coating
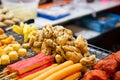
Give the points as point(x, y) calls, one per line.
point(8, 40)
point(88, 61)
point(70, 48)
point(37, 44)
point(26, 45)
point(47, 29)
point(36, 49)
point(40, 35)
point(60, 51)
point(73, 56)
point(3, 36)
point(59, 59)
point(62, 39)
point(80, 42)
point(59, 42)
point(31, 41)
point(45, 49)
point(50, 43)
point(1, 31)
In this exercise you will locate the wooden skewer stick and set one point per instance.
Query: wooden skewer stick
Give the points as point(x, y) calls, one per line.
point(3, 72)
point(10, 75)
point(2, 75)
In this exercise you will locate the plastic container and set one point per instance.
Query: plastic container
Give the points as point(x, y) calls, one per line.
point(103, 23)
point(23, 9)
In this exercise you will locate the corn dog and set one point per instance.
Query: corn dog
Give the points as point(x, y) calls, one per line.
point(74, 76)
point(53, 70)
point(64, 72)
point(30, 77)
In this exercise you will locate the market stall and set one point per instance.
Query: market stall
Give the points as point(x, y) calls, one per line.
point(51, 52)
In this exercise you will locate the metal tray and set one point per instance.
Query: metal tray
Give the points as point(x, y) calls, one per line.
point(99, 52)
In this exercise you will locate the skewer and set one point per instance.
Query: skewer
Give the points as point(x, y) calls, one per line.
point(3, 72)
point(10, 75)
point(2, 76)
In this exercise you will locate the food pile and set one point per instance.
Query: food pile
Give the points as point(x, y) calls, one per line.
point(7, 18)
point(27, 66)
point(106, 69)
point(58, 56)
point(10, 49)
point(60, 43)
point(25, 30)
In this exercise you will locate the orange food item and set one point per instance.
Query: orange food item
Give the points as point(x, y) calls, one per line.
point(31, 63)
point(117, 56)
point(53, 70)
point(116, 76)
point(36, 70)
point(30, 77)
point(1, 31)
point(35, 63)
point(108, 65)
point(96, 75)
point(74, 76)
point(8, 40)
point(64, 72)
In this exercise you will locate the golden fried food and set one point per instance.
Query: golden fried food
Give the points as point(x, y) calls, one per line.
point(5, 59)
point(70, 48)
point(37, 44)
point(73, 56)
point(22, 52)
point(60, 51)
point(3, 36)
point(50, 43)
point(8, 40)
point(59, 42)
point(16, 47)
point(59, 58)
point(8, 49)
point(13, 55)
point(88, 61)
point(26, 45)
point(47, 29)
point(1, 31)
point(36, 50)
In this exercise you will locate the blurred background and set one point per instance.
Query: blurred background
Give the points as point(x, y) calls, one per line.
point(97, 20)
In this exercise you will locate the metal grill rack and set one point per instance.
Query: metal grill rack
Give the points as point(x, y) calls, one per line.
point(99, 52)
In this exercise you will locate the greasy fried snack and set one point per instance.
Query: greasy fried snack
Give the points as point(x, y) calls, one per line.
point(59, 42)
point(74, 56)
point(88, 61)
point(1, 31)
